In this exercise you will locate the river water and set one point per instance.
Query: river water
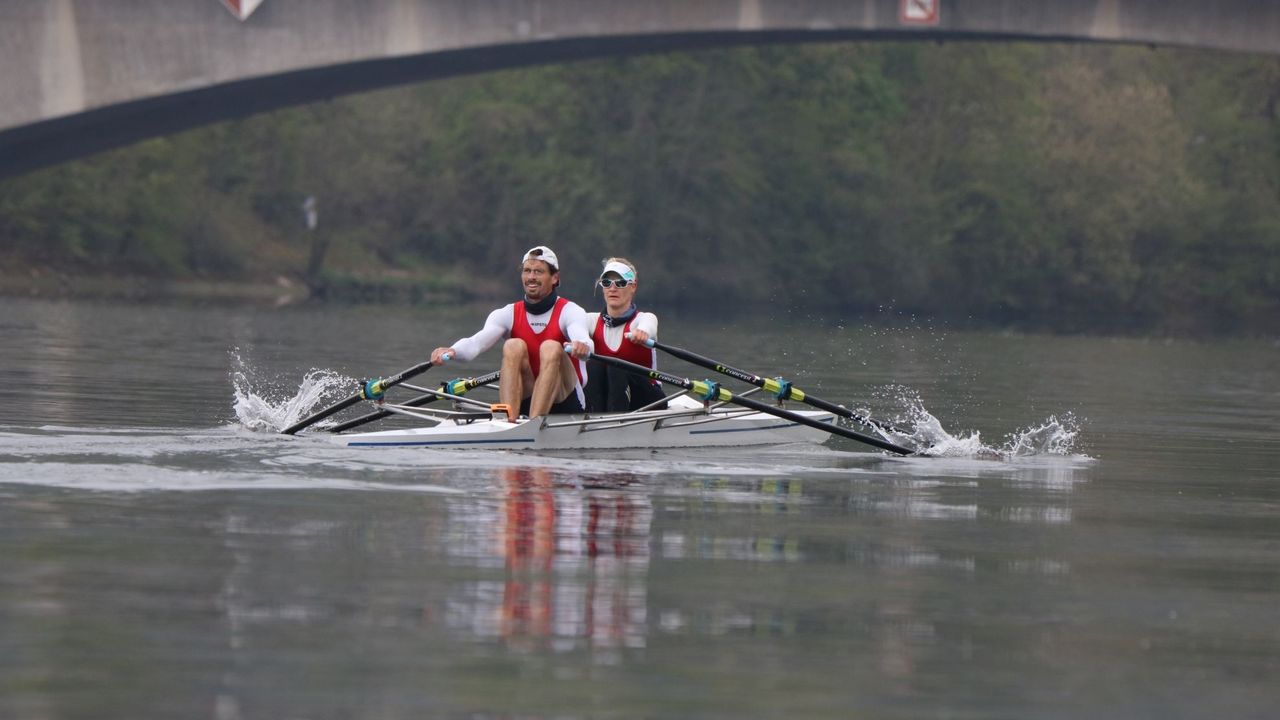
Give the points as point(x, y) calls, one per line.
point(1097, 535)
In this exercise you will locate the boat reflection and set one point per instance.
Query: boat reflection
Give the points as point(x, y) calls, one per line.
point(574, 557)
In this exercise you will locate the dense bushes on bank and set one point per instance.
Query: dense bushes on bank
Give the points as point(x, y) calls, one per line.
point(1069, 187)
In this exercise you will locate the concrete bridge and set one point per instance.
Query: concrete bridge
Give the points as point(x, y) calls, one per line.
point(81, 76)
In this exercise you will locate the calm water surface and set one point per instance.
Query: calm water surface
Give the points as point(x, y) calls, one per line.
point(160, 560)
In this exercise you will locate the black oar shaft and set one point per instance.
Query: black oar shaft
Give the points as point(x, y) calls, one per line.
point(714, 392)
point(331, 410)
point(419, 401)
point(367, 418)
point(710, 364)
point(338, 407)
point(770, 384)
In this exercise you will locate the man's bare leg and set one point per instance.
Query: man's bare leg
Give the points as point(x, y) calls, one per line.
point(556, 380)
point(516, 374)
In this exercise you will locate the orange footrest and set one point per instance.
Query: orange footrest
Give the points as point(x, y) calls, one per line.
point(503, 408)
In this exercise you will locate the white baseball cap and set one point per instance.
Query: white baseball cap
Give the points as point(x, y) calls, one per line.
point(623, 271)
point(544, 253)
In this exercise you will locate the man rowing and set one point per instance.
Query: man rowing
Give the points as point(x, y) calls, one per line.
point(620, 331)
point(538, 377)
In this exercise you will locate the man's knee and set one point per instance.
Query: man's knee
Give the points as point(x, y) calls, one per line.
point(515, 348)
point(550, 351)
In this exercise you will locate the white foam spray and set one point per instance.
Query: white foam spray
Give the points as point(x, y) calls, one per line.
point(914, 426)
point(264, 405)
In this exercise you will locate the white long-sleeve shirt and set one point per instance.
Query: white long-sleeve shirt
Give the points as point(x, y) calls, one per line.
point(573, 324)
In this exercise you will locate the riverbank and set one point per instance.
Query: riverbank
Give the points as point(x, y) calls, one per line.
point(452, 288)
point(280, 290)
point(61, 285)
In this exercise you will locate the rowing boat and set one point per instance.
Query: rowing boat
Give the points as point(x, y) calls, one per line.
point(702, 413)
point(685, 423)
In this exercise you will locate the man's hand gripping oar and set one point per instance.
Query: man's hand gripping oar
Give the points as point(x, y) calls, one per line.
point(372, 390)
point(713, 392)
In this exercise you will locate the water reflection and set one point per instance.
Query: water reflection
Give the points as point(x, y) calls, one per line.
point(574, 557)
point(768, 497)
point(157, 575)
point(52, 353)
point(574, 570)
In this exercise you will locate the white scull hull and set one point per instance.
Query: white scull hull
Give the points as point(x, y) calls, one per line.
point(567, 432)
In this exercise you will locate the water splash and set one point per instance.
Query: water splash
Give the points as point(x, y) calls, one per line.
point(260, 406)
point(1054, 436)
point(914, 426)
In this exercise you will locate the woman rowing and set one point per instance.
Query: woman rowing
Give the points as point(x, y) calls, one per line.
point(620, 331)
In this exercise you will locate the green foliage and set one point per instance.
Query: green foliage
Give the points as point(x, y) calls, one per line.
point(1069, 187)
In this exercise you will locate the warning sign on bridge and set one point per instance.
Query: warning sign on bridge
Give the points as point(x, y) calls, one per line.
point(242, 9)
point(919, 12)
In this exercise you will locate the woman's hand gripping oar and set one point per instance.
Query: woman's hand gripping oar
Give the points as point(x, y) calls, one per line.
point(711, 391)
point(781, 389)
point(372, 390)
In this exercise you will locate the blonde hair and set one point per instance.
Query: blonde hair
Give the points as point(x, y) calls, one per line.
point(635, 273)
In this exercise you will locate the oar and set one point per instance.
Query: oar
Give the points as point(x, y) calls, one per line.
point(453, 387)
point(780, 388)
point(713, 391)
point(371, 390)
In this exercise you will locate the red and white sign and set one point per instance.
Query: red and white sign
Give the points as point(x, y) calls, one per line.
point(242, 9)
point(919, 12)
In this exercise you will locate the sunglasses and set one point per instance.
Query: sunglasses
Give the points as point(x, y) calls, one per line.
point(610, 282)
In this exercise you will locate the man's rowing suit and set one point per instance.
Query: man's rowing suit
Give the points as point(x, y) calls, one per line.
point(552, 318)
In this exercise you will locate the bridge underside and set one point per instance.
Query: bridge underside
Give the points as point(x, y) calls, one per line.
point(89, 81)
point(61, 139)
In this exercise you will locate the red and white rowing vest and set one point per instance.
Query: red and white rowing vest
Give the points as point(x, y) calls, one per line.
point(521, 329)
point(627, 350)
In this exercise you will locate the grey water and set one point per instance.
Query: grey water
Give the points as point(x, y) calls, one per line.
point(159, 558)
